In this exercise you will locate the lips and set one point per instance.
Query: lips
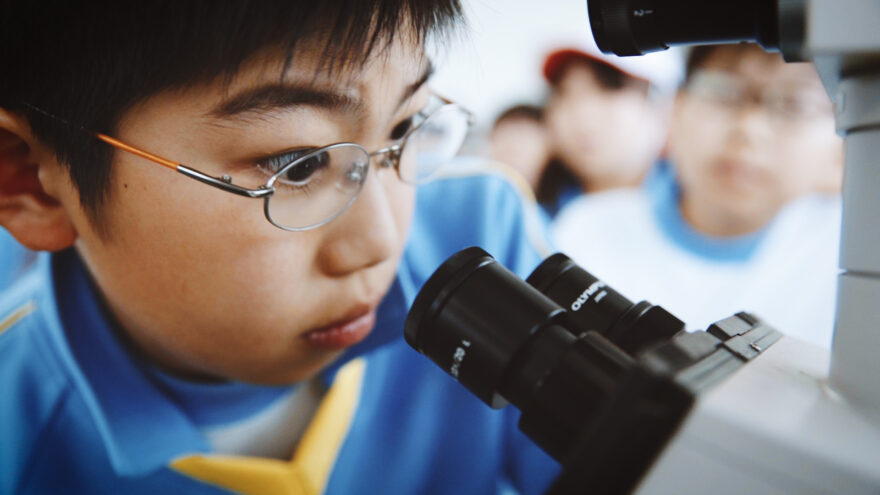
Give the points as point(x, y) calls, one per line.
point(345, 333)
point(739, 173)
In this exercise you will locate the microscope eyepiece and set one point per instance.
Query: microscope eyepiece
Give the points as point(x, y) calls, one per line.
point(591, 304)
point(602, 383)
point(636, 27)
point(473, 316)
point(556, 346)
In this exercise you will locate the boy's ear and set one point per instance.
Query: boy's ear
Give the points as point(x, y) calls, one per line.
point(27, 211)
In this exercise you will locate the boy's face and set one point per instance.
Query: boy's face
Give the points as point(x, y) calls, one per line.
point(522, 144)
point(602, 132)
point(197, 277)
point(745, 158)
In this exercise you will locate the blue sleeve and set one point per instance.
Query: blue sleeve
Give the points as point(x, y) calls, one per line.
point(482, 210)
point(511, 228)
point(14, 258)
point(32, 388)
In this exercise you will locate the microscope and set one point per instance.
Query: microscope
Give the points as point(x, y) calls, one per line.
point(618, 392)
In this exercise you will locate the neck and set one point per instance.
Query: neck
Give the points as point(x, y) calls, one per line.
point(606, 183)
point(712, 219)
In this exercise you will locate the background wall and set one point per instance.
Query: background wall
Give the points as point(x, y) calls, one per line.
point(495, 61)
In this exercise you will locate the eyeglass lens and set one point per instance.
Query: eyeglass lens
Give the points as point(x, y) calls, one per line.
point(433, 144)
point(317, 187)
point(314, 188)
point(784, 103)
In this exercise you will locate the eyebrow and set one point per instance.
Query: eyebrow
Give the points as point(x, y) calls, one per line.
point(410, 90)
point(272, 97)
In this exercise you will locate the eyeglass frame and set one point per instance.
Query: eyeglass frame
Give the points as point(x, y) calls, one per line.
point(392, 155)
point(748, 96)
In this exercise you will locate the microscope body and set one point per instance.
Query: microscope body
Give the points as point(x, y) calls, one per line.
point(775, 426)
point(795, 419)
point(617, 392)
point(798, 420)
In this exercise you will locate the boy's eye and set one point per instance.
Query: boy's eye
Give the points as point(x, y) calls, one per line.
point(401, 129)
point(302, 171)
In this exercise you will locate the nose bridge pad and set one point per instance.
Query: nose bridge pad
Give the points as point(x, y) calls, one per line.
point(389, 158)
point(357, 173)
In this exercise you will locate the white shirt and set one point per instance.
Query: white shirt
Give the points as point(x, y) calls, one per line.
point(638, 243)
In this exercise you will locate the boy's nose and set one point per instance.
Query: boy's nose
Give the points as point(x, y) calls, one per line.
point(752, 124)
point(366, 234)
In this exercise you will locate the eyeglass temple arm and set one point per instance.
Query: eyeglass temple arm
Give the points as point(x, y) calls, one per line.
point(189, 172)
point(136, 151)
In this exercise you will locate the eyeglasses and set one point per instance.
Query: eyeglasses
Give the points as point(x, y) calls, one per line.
point(788, 104)
point(308, 188)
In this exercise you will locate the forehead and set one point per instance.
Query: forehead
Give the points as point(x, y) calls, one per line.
point(354, 79)
point(758, 67)
point(517, 122)
point(269, 87)
point(580, 68)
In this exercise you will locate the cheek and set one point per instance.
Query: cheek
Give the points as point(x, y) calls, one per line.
point(178, 217)
point(801, 164)
point(628, 111)
point(690, 152)
point(558, 123)
point(179, 249)
point(402, 201)
point(571, 118)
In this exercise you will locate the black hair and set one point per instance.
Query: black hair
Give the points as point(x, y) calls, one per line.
point(698, 55)
point(89, 62)
point(609, 77)
point(533, 113)
point(554, 179)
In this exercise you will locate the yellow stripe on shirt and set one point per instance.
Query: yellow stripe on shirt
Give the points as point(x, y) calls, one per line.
point(309, 470)
point(17, 315)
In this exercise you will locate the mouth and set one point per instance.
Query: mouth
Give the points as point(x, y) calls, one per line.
point(344, 333)
point(739, 173)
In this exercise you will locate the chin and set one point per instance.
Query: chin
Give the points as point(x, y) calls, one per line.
point(285, 372)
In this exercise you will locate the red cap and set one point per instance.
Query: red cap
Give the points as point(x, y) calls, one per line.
point(662, 69)
point(558, 60)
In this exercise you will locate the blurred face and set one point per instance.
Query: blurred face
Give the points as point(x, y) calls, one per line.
point(197, 277)
point(604, 135)
point(751, 133)
point(522, 144)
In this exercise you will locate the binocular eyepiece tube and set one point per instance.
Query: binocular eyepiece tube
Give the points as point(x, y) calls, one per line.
point(555, 346)
point(602, 383)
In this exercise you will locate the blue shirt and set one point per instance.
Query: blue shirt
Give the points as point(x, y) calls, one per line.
point(639, 242)
point(83, 414)
point(658, 180)
point(14, 258)
point(665, 195)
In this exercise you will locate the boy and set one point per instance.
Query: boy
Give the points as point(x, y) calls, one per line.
point(519, 139)
point(606, 119)
point(221, 248)
point(751, 138)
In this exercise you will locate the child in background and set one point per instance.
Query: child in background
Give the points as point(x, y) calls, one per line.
point(742, 227)
point(606, 118)
point(225, 190)
point(519, 139)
